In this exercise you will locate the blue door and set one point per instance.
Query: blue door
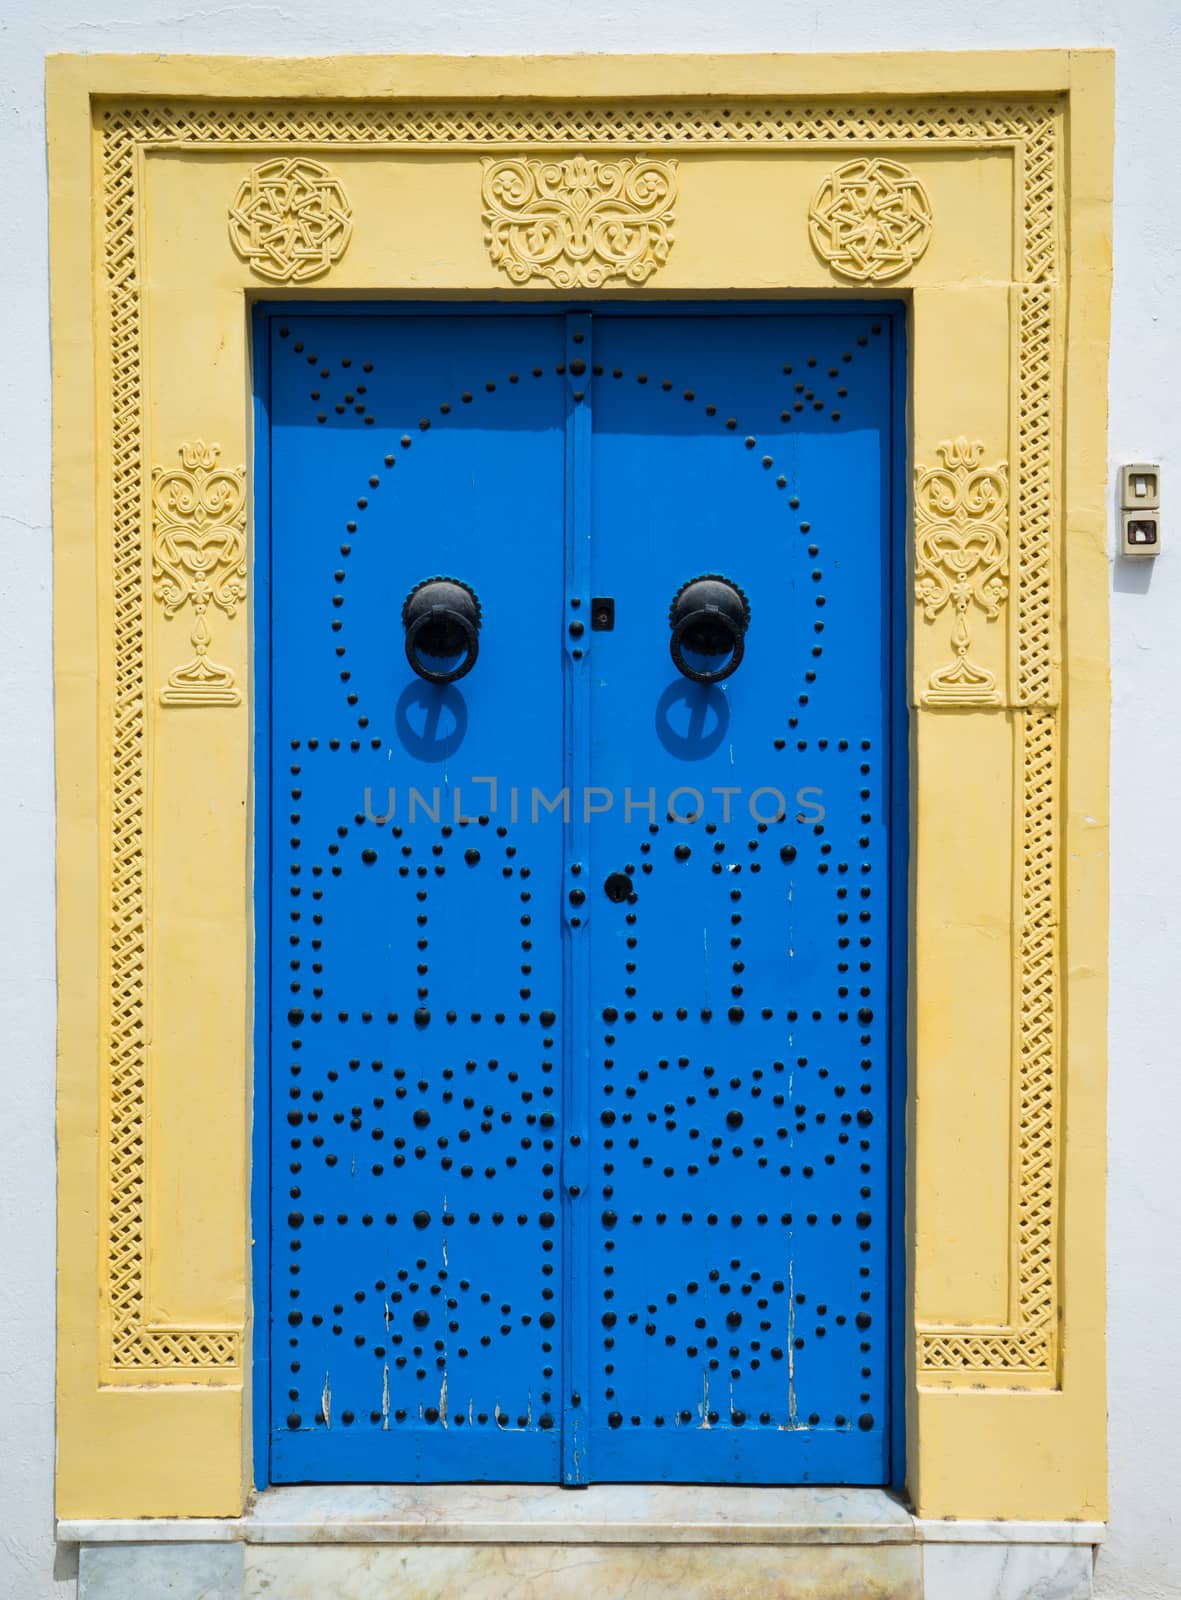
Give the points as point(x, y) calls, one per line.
point(577, 966)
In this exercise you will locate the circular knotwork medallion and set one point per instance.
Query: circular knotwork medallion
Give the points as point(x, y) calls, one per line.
point(290, 220)
point(870, 219)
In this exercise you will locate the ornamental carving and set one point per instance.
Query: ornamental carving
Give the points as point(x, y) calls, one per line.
point(871, 219)
point(290, 220)
point(579, 223)
point(199, 558)
point(1023, 1344)
point(961, 559)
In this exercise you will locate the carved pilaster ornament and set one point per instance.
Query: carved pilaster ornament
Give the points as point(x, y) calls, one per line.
point(961, 559)
point(199, 559)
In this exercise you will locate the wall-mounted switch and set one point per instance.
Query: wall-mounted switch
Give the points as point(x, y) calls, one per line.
point(1140, 487)
point(1140, 509)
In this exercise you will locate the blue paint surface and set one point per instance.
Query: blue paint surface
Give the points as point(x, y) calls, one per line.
point(565, 1186)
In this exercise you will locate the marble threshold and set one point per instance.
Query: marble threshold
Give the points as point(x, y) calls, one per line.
point(604, 1514)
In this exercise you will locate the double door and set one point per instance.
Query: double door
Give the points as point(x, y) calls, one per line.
point(578, 970)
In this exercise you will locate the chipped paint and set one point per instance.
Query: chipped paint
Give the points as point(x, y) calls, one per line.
point(792, 1414)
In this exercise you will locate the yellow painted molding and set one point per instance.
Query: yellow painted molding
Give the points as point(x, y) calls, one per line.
point(721, 76)
point(182, 188)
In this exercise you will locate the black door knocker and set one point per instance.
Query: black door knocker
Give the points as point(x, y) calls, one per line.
point(442, 621)
point(709, 617)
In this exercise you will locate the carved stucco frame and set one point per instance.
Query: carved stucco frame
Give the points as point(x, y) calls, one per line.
point(106, 117)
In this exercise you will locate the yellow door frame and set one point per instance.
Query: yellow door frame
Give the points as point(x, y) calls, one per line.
point(975, 186)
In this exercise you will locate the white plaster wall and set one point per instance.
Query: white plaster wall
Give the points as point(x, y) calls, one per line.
point(1142, 1560)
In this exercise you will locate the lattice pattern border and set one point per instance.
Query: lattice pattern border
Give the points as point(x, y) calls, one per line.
point(1028, 1345)
point(133, 1348)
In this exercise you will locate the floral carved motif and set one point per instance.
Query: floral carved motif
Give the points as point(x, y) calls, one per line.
point(290, 220)
point(199, 558)
point(961, 559)
point(579, 222)
point(871, 219)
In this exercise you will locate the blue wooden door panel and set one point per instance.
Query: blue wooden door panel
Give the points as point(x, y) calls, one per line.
point(739, 1066)
point(416, 1277)
point(574, 1181)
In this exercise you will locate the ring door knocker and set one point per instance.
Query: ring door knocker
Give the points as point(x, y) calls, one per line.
point(442, 621)
point(709, 617)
